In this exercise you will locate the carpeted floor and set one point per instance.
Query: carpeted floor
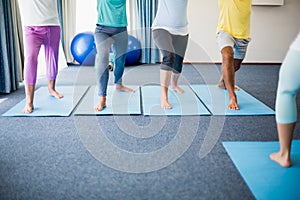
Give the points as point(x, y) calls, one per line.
point(132, 157)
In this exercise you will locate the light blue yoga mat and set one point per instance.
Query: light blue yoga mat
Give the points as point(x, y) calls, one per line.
point(216, 100)
point(265, 178)
point(186, 103)
point(117, 102)
point(46, 105)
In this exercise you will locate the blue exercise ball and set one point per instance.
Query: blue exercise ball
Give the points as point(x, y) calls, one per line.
point(133, 52)
point(83, 48)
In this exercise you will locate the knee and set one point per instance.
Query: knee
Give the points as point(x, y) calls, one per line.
point(286, 93)
point(237, 67)
point(102, 58)
point(168, 61)
point(31, 61)
point(31, 57)
point(237, 64)
point(177, 68)
point(227, 53)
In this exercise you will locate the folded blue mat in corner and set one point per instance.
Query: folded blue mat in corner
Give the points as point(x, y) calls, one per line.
point(186, 103)
point(117, 102)
point(46, 105)
point(216, 100)
point(265, 178)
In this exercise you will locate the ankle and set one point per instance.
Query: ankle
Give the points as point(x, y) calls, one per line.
point(284, 155)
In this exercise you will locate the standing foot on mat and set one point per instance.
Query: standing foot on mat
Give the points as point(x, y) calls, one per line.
point(233, 104)
point(28, 108)
point(101, 105)
point(282, 160)
point(56, 94)
point(123, 88)
point(165, 103)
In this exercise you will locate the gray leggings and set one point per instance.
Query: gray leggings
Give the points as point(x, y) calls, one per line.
point(172, 47)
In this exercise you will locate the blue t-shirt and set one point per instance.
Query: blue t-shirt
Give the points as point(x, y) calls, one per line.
point(112, 13)
point(172, 16)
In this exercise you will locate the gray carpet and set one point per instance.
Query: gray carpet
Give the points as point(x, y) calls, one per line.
point(132, 157)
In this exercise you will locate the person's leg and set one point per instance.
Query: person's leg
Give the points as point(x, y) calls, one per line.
point(239, 52)
point(29, 90)
point(165, 77)
point(228, 75)
point(285, 134)
point(120, 46)
point(103, 44)
point(286, 107)
point(175, 86)
point(237, 65)
point(32, 45)
point(226, 43)
point(180, 45)
point(163, 41)
point(51, 44)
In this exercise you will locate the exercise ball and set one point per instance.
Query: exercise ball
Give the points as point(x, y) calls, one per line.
point(133, 51)
point(83, 48)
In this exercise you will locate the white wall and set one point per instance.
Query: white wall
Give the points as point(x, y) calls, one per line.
point(86, 15)
point(273, 28)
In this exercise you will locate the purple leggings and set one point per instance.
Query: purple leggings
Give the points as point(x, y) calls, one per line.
point(34, 38)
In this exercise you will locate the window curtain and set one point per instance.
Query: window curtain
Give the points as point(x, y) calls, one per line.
point(67, 15)
point(19, 37)
point(10, 46)
point(145, 11)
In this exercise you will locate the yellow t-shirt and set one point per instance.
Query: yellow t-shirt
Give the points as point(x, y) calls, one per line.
point(234, 17)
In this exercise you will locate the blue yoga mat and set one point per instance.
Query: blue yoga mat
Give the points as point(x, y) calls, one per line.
point(117, 102)
point(46, 105)
point(186, 103)
point(216, 100)
point(265, 178)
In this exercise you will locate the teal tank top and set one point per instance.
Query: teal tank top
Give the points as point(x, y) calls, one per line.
point(112, 13)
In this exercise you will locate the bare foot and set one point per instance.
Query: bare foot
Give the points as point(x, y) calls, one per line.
point(165, 104)
point(233, 104)
point(280, 159)
point(178, 89)
point(221, 85)
point(28, 109)
point(55, 94)
point(101, 105)
point(236, 88)
point(123, 88)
